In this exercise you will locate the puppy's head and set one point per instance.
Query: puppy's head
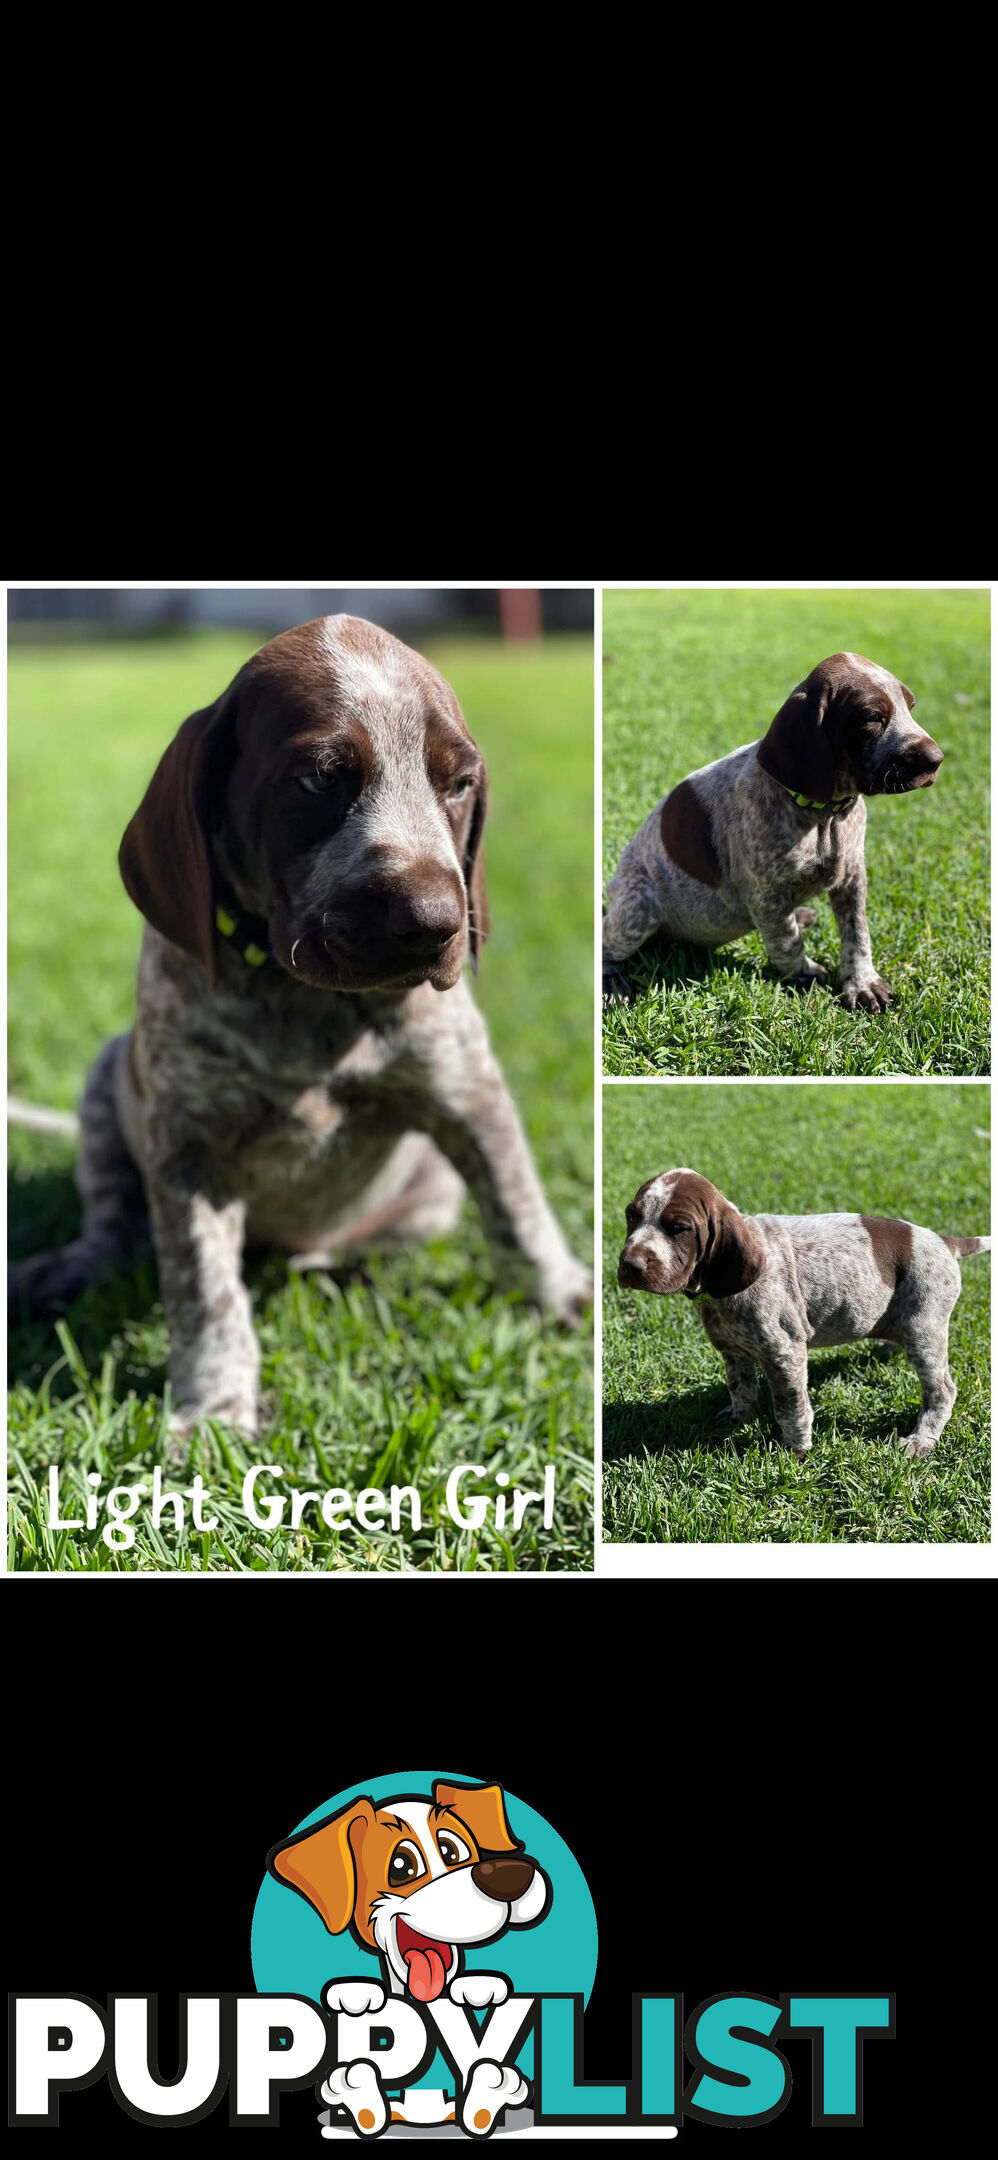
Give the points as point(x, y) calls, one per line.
point(334, 791)
point(682, 1234)
point(417, 1878)
point(847, 730)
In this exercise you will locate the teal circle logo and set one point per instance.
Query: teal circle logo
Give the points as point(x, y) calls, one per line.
point(293, 1952)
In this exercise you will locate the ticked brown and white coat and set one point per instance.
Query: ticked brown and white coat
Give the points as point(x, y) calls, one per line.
point(742, 843)
point(307, 1068)
point(769, 1288)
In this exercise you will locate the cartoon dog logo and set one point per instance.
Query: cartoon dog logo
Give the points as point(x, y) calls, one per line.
point(419, 1879)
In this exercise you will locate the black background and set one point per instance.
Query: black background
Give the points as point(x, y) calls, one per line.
point(766, 1785)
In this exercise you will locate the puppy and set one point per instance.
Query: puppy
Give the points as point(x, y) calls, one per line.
point(419, 1879)
point(743, 842)
point(769, 1287)
point(307, 1067)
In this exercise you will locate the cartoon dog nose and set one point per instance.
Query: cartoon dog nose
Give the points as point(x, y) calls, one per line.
point(503, 1878)
point(424, 916)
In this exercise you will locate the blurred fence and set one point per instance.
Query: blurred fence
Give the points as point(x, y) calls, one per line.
point(519, 612)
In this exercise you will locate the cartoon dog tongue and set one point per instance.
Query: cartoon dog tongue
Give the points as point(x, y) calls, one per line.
point(426, 1963)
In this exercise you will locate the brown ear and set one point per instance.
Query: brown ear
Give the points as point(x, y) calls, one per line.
point(734, 1256)
point(474, 875)
point(797, 749)
point(483, 1808)
point(163, 858)
point(908, 696)
point(320, 1864)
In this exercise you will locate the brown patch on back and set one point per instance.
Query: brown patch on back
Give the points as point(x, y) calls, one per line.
point(893, 1245)
point(687, 835)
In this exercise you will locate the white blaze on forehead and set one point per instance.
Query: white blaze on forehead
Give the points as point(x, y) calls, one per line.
point(402, 816)
point(417, 1814)
point(378, 673)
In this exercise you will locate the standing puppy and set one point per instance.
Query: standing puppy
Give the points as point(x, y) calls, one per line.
point(743, 842)
point(769, 1287)
point(307, 1068)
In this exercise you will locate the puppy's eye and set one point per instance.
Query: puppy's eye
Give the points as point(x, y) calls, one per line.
point(318, 783)
point(453, 1850)
point(675, 1229)
point(405, 1864)
point(459, 788)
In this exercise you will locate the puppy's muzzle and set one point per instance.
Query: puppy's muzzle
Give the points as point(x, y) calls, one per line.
point(629, 1275)
point(504, 1879)
point(422, 918)
point(918, 768)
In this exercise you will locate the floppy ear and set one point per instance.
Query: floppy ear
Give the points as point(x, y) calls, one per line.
point(734, 1256)
point(163, 858)
point(797, 750)
point(320, 1864)
point(483, 1808)
point(908, 696)
point(474, 875)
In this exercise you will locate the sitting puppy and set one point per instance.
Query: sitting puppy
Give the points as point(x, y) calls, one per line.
point(307, 1068)
point(771, 1286)
point(741, 843)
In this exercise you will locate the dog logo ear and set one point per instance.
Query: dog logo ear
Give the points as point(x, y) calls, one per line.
point(797, 749)
point(483, 1808)
point(163, 858)
point(474, 875)
point(320, 1864)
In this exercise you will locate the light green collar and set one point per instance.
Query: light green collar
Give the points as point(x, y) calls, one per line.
point(239, 931)
point(804, 801)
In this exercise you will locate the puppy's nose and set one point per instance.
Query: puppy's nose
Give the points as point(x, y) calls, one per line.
point(425, 916)
point(505, 1878)
point(628, 1275)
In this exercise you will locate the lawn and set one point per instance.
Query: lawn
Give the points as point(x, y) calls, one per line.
point(688, 676)
point(389, 1377)
point(670, 1475)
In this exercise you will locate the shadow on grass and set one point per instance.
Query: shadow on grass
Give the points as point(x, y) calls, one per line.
point(673, 1425)
point(43, 1213)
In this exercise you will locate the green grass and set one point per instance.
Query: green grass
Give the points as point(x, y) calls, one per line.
point(389, 1377)
point(670, 1476)
point(688, 676)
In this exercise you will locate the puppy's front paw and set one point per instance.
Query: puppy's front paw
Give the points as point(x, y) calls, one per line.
point(479, 1989)
point(616, 988)
point(490, 2089)
point(566, 1291)
point(870, 992)
point(356, 2087)
point(809, 973)
point(354, 1997)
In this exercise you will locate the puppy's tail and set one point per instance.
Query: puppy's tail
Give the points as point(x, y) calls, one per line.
point(963, 1247)
point(38, 1119)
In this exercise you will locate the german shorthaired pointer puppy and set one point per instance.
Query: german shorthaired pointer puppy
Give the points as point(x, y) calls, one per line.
point(770, 1287)
point(307, 1067)
point(741, 843)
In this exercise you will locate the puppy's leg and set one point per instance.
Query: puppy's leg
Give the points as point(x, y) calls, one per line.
point(779, 928)
point(214, 1354)
point(115, 1217)
point(633, 912)
point(473, 1120)
point(743, 1387)
point(787, 1376)
point(859, 983)
point(929, 1357)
